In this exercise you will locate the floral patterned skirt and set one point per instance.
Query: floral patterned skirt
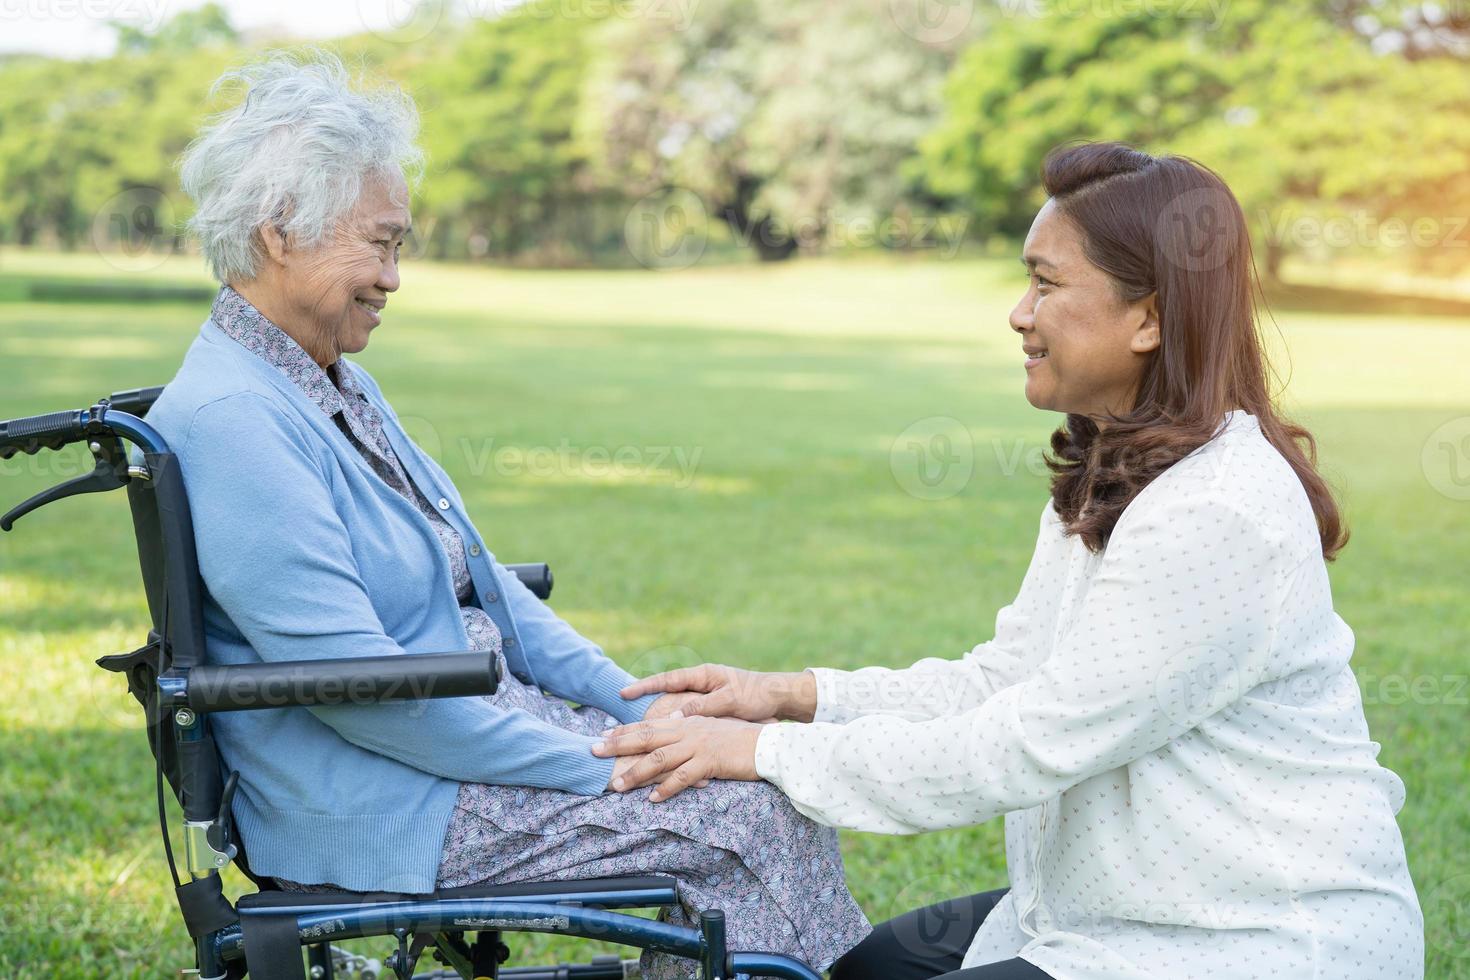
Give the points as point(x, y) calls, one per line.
point(740, 847)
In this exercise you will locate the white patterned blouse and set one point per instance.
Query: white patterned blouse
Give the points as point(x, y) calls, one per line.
point(1173, 733)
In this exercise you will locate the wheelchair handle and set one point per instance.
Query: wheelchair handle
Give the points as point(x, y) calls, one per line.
point(355, 680)
point(38, 432)
point(60, 429)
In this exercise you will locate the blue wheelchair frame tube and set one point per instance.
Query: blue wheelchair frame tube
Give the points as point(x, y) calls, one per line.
point(317, 923)
point(136, 431)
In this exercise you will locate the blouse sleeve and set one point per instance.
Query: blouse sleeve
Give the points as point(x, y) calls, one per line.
point(1178, 623)
point(936, 687)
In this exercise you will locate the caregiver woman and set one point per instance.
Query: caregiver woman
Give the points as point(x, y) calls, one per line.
point(1166, 714)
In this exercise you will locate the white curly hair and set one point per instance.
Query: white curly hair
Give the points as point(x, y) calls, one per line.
point(295, 153)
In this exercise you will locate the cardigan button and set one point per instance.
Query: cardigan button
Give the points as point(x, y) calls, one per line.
point(510, 641)
point(491, 597)
point(443, 503)
point(475, 550)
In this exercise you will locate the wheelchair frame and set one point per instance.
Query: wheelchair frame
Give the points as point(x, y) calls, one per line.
point(179, 691)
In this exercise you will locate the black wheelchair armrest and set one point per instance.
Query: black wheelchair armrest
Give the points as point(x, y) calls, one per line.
point(535, 576)
point(356, 680)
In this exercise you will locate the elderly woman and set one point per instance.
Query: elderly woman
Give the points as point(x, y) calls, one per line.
point(323, 531)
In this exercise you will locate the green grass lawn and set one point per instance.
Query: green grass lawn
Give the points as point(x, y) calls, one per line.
point(714, 462)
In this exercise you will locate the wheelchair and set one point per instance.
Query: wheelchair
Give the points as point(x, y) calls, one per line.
point(263, 934)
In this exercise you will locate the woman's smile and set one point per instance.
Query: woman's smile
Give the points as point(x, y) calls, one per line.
point(374, 312)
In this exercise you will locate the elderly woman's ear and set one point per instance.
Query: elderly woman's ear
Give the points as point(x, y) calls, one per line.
point(272, 242)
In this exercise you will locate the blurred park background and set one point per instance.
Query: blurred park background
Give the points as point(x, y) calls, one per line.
point(706, 306)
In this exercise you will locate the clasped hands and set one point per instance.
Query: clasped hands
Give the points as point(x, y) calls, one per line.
point(704, 726)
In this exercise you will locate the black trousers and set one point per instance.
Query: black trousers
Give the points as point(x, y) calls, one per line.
point(930, 943)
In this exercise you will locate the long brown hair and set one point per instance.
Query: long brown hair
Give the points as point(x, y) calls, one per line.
point(1169, 226)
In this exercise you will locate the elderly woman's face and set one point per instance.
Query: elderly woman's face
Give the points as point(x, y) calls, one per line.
point(334, 292)
point(1085, 346)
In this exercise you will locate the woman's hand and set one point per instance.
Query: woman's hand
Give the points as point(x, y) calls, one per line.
point(625, 762)
point(669, 704)
point(679, 753)
point(730, 692)
point(620, 769)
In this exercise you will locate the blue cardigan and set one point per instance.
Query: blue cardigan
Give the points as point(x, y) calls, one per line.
point(306, 553)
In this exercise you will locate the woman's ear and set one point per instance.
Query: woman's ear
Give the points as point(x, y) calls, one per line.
point(274, 241)
point(1146, 336)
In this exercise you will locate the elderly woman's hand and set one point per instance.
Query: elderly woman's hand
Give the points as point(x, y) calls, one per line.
point(681, 752)
point(719, 691)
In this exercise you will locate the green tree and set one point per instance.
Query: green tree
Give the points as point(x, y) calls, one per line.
point(1035, 82)
point(97, 130)
point(780, 116)
point(87, 148)
point(185, 31)
point(1301, 115)
point(1413, 28)
point(506, 175)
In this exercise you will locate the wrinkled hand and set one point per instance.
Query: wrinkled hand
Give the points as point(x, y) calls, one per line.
point(680, 752)
point(728, 692)
point(620, 769)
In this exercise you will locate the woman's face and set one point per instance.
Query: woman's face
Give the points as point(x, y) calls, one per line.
point(334, 292)
point(1085, 346)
